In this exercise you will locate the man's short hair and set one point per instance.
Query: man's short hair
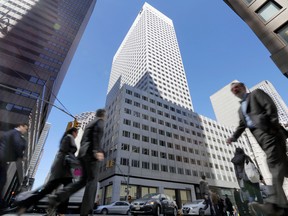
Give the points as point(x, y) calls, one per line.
point(100, 113)
point(21, 124)
point(237, 82)
point(203, 177)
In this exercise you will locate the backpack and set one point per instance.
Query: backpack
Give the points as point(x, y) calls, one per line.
point(251, 171)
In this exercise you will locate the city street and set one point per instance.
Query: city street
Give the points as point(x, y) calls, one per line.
point(135, 107)
point(36, 214)
point(45, 214)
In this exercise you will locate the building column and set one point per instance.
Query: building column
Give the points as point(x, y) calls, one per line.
point(116, 188)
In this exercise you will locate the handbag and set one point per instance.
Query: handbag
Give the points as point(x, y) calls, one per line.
point(72, 161)
point(251, 172)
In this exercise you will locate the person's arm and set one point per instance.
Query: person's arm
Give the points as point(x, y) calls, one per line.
point(239, 130)
point(98, 131)
point(65, 143)
point(19, 144)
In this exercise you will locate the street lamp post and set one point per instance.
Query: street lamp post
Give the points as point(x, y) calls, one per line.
point(128, 181)
point(128, 174)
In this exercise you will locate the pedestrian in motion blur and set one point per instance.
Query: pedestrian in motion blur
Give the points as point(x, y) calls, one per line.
point(204, 187)
point(259, 113)
point(89, 154)
point(251, 189)
point(12, 147)
point(206, 194)
point(229, 206)
point(60, 175)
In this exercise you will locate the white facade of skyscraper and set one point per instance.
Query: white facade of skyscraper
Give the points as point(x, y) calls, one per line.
point(84, 118)
point(38, 152)
point(225, 105)
point(149, 59)
point(267, 87)
point(154, 142)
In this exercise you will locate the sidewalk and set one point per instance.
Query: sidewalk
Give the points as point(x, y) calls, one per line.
point(35, 214)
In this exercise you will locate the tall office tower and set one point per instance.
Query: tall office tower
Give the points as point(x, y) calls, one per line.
point(281, 106)
point(153, 141)
point(84, 119)
point(149, 59)
point(226, 106)
point(269, 21)
point(36, 157)
point(38, 39)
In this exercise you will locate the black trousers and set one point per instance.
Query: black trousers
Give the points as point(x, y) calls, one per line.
point(88, 179)
point(3, 179)
point(253, 190)
point(274, 146)
point(48, 188)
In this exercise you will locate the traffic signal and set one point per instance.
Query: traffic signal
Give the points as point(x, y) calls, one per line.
point(110, 163)
point(69, 125)
point(76, 124)
point(107, 164)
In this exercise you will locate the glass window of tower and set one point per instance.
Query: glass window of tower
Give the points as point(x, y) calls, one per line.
point(268, 10)
point(283, 33)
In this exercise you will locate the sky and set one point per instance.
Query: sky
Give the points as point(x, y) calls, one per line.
point(217, 47)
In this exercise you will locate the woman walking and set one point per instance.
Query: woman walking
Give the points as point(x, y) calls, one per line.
point(60, 175)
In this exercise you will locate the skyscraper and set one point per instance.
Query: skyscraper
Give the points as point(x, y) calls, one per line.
point(149, 59)
point(225, 105)
point(154, 141)
point(38, 39)
point(36, 157)
point(267, 87)
point(268, 20)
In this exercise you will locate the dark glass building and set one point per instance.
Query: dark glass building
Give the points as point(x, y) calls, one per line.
point(38, 39)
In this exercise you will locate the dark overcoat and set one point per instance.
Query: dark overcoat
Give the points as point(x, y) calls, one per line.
point(12, 146)
point(60, 169)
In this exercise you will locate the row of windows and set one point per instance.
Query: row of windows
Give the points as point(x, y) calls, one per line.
point(171, 108)
point(22, 92)
point(146, 165)
point(170, 156)
point(269, 10)
point(15, 108)
point(21, 75)
point(178, 111)
point(172, 169)
point(166, 123)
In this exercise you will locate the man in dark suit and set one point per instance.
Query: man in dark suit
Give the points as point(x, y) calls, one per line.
point(12, 147)
point(89, 154)
point(259, 113)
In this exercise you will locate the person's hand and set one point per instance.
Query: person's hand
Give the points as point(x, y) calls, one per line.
point(263, 181)
point(229, 141)
point(22, 159)
point(99, 156)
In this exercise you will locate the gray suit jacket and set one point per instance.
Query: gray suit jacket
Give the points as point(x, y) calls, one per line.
point(262, 111)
